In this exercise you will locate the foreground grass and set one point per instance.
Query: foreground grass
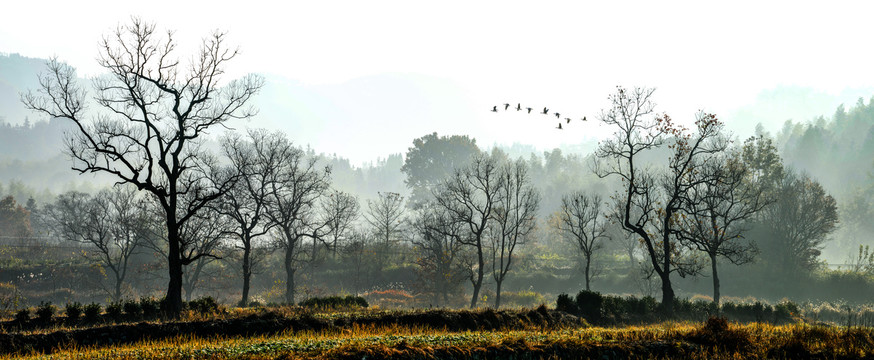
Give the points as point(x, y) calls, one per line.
point(666, 340)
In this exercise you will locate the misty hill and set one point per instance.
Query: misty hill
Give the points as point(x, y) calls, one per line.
point(17, 74)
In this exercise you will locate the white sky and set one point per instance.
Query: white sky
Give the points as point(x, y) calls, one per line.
point(565, 55)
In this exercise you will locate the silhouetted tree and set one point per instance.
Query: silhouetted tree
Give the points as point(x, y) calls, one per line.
point(294, 203)
point(153, 111)
point(469, 197)
point(515, 218)
point(719, 211)
point(651, 200)
point(583, 223)
point(246, 203)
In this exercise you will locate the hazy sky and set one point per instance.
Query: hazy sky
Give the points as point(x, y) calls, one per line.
point(460, 58)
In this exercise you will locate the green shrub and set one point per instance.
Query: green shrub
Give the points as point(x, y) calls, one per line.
point(566, 304)
point(132, 309)
point(785, 310)
point(113, 310)
point(45, 311)
point(589, 304)
point(332, 302)
point(73, 311)
point(22, 315)
point(205, 305)
point(641, 307)
point(92, 312)
point(150, 307)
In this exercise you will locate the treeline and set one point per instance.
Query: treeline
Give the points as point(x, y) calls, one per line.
point(666, 201)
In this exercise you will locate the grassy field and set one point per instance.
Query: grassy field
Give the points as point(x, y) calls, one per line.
point(485, 334)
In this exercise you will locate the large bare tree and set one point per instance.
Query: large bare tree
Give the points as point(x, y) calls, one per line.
point(469, 197)
point(584, 224)
point(515, 219)
point(651, 200)
point(151, 111)
point(293, 203)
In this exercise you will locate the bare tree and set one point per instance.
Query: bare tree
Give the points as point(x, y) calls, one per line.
point(341, 210)
point(246, 203)
point(652, 200)
point(112, 222)
point(385, 217)
point(152, 111)
point(438, 240)
point(719, 210)
point(470, 197)
point(582, 222)
point(293, 203)
point(515, 219)
point(208, 233)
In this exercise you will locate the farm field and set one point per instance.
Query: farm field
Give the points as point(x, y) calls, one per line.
point(292, 333)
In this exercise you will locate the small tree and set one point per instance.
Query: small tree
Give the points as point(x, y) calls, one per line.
point(719, 210)
point(341, 210)
point(14, 219)
point(583, 223)
point(113, 223)
point(385, 217)
point(246, 203)
point(438, 241)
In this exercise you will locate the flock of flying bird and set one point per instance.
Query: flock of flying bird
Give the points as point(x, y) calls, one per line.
point(544, 112)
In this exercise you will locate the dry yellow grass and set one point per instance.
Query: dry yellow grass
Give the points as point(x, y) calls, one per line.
point(665, 340)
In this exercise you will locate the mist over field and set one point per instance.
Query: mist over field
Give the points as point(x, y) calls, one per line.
point(442, 156)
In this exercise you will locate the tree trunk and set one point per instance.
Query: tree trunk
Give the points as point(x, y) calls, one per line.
point(247, 274)
point(498, 293)
point(117, 289)
point(667, 293)
point(588, 267)
point(665, 273)
point(289, 275)
point(715, 281)
point(479, 279)
point(174, 288)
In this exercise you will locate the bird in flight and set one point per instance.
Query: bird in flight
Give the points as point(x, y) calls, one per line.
point(529, 110)
point(506, 106)
point(584, 118)
point(559, 126)
point(557, 116)
point(568, 120)
point(545, 110)
point(495, 108)
point(518, 106)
